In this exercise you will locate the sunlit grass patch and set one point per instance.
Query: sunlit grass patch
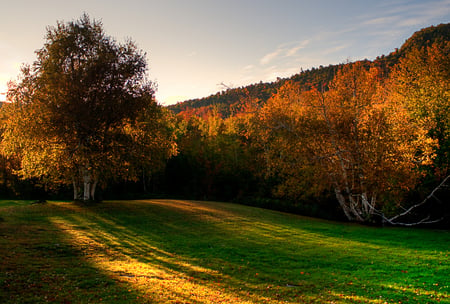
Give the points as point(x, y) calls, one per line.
point(143, 269)
point(166, 251)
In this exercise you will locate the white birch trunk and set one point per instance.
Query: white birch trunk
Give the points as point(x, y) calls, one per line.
point(343, 203)
point(87, 192)
point(87, 185)
point(368, 207)
point(93, 187)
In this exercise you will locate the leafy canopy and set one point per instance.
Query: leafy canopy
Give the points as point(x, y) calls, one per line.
point(79, 105)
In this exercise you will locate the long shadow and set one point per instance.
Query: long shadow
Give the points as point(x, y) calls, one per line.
point(152, 235)
point(252, 255)
point(40, 264)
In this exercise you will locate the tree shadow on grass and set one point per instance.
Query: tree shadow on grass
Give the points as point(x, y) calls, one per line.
point(210, 253)
point(197, 252)
point(40, 264)
point(146, 246)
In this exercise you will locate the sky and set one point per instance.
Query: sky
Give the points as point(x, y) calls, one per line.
point(195, 47)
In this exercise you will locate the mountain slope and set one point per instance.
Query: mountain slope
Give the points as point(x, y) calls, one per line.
point(232, 101)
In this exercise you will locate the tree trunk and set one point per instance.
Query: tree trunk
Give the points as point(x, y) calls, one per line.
point(358, 209)
point(87, 191)
point(343, 204)
point(93, 187)
point(75, 190)
point(368, 207)
point(143, 180)
point(87, 185)
point(84, 188)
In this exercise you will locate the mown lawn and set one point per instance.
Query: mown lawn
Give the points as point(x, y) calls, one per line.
point(170, 251)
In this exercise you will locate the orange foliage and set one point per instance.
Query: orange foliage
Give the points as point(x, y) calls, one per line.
point(350, 137)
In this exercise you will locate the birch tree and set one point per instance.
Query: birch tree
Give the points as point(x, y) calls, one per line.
point(350, 139)
point(74, 109)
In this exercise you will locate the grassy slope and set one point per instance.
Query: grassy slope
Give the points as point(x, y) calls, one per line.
point(166, 251)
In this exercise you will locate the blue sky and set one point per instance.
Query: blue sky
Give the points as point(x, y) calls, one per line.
point(193, 46)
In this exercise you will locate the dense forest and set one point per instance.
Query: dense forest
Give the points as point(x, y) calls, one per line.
point(360, 140)
point(365, 141)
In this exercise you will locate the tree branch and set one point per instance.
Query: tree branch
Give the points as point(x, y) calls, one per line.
point(425, 220)
point(422, 202)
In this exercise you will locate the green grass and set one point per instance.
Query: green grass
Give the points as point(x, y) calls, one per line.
point(167, 251)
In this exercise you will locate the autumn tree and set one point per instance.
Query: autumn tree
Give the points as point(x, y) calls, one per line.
point(215, 159)
point(349, 138)
point(422, 81)
point(84, 111)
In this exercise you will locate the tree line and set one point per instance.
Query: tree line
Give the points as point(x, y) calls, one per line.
point(369, 137)
point(365, 141)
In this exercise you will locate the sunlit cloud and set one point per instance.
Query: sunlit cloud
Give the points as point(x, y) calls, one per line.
point(293, 51)
point(270, 56)
point(381, 20)
point(411, 22)
point(285, 50)
point(402, 14)
point(336, 49)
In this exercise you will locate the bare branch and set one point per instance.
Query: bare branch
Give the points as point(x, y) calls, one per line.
point(425, 220)
point(224, 86)
point(421, 203)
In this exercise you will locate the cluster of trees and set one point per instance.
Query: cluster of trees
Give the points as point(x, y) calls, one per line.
point(370, 137)
point(368, 141)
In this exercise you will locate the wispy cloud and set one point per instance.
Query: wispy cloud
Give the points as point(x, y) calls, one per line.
point(284, 50)
point(336, 48)
point(373, 33)
point(389, 24)
point(270, 56)
point(381, 20)
point(410, 13)
point(293, 51)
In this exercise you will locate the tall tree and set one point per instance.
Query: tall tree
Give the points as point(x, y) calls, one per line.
point(79, 107)
point(349, 138)
point(422, 80)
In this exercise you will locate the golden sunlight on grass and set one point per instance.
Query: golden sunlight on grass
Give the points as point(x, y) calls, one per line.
point(153, 281)
point(171, 251)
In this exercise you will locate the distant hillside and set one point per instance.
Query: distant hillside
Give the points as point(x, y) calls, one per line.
point(233, 100)
point(426, 37)
point(230, 101)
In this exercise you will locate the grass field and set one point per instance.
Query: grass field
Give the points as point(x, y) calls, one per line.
point(167, 251)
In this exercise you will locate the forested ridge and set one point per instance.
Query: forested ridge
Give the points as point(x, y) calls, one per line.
point(365, 141)
point(230, 100)
point(362, 140)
